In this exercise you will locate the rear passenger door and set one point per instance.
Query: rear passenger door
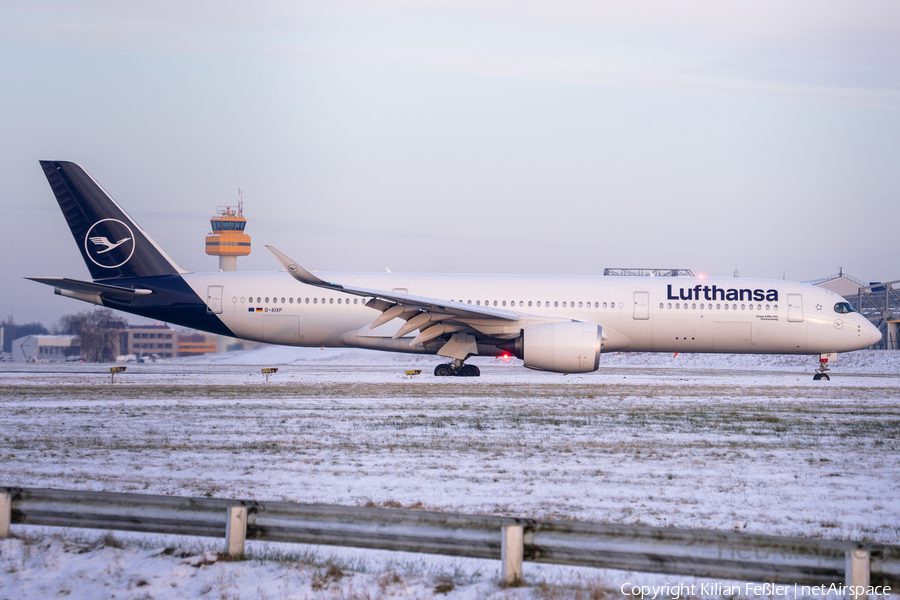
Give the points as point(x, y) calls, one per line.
point(214, 299)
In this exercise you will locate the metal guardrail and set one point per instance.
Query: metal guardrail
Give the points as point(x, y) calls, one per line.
point(719, 555)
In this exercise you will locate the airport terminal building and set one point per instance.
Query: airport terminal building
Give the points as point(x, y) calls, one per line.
point(147, 340)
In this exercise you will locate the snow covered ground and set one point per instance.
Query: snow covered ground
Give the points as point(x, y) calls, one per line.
point(873, 362)
point(727, 442)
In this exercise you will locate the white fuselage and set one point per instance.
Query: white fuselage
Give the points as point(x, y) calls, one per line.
point(639, 314)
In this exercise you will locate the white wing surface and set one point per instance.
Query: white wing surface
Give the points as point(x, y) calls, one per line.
point(432, 317)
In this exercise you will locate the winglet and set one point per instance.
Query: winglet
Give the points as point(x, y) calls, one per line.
point(298, 272)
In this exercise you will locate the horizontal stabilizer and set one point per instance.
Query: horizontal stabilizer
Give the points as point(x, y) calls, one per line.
point(85, 287)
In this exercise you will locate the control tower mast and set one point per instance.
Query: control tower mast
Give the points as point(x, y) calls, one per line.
point(228, 240)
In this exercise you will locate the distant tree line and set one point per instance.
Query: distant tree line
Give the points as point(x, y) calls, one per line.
point(13, 331)
point(96, 330)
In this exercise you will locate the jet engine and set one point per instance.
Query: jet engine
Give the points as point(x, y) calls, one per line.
point(561, 347)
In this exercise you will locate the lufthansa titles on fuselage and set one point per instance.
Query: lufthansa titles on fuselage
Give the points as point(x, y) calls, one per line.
point(714, 292)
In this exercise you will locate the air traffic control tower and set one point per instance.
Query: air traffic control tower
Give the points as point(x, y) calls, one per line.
point(228, 240)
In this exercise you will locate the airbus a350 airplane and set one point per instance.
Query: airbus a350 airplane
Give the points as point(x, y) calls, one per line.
point(553, 323)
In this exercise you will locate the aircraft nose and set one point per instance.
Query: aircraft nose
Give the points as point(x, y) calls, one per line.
point(874, 334)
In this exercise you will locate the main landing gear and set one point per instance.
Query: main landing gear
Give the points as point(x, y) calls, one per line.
point(458, 369)
point(822, 371)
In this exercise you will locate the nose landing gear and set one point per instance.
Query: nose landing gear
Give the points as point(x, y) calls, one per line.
point(458, 369)
point(822, 371)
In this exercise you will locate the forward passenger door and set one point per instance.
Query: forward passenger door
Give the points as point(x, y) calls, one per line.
point(641, 306)
point(795, 308)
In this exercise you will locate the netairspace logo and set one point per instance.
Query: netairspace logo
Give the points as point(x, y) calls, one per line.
point(678, 591)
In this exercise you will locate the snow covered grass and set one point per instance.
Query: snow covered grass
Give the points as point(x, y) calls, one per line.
point(91, 565)
point(747, 443)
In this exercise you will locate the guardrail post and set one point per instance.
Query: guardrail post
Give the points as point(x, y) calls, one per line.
point(856, 572)
point(235, 531)
point(512, 548)
point(5, 514)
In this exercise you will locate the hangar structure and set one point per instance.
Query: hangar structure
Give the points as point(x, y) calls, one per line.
point(45, 348)
point(877, 301)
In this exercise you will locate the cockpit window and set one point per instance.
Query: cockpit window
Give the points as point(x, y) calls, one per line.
point(844, 307)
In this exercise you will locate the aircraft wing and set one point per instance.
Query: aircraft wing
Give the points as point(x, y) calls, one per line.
point(84, 287)
point(433, 317)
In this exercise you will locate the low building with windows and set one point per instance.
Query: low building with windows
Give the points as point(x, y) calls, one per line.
point(150, 340)
point(45, 348)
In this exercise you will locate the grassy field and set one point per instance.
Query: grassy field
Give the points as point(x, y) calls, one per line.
point(731, 448)
point(762, 451)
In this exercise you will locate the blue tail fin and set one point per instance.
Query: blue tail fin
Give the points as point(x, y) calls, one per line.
point(112, 244)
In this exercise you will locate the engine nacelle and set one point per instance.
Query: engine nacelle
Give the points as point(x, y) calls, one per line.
point(561, 347)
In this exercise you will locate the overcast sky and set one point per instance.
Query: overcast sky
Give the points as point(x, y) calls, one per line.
point(493, 137)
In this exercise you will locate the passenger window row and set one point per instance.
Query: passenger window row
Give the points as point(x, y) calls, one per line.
point(545, 304)
point(719, 306)
point(523, 303)
point(261, 300)
point(500, 303)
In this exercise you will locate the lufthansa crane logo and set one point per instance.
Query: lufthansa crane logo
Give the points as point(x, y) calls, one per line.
point(109, 243)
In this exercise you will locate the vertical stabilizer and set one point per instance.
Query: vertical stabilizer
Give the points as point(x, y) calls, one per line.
point(112, 244)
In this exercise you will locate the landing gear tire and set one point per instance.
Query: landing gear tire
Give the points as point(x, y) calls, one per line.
point(469, 371)
point(443, 371)
point(822, 371)
point(452, 369)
